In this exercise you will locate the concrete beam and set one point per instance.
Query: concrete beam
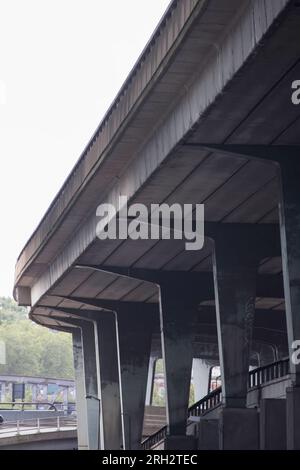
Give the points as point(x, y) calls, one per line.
point(268, 285)
point(195, 279)
point(273, 153)
point(205, 324)
point(107, 304)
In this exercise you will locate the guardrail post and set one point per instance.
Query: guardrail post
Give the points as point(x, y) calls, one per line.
point(58, 423)
point(38, 425)
point(18, 427)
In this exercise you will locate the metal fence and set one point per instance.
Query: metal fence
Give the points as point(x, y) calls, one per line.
point(209, 401)
point(23, 405)
point(36, 425)
point(269, 372)
point(257, 378)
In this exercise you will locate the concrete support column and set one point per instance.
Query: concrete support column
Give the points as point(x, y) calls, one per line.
point(134, 344)
point(179, 294)
point(91, 385)
point(81, 409)
point(235, 267)
point(177, 319)
point(85, 325)
point(289, 213)
point(201, 375)
point(116, 349)
point(150, 380)
point(235, 261)
point(108, 381)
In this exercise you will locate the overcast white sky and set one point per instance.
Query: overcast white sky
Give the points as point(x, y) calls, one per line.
point(61, 64)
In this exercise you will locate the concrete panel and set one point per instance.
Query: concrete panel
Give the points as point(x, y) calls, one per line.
point(239, 429)
point(272, 424)
point(293, 418)
point(180, 443)
point(208, 434)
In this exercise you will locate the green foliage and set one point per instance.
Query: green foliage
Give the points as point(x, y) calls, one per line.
point(158, 398)
point(10, 311)
point(192, 395)
point(159, 366)
point(32, 349)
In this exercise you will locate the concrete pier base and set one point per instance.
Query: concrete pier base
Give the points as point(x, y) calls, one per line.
point(293, 418)
point(238, 429)
point(180, 443)
point(208, 434)
point(272, 424)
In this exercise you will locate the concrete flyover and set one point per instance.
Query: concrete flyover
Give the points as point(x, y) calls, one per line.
point(37, 386)
point(205, 116)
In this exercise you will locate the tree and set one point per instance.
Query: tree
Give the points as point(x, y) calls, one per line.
point(10, 311)
point(32, 349)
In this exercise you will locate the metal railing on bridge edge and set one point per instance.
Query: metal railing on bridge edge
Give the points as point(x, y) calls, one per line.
point(197, 409)
point(23, 404)
point(37, 425)
point(257, 377)
point(269, 372)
